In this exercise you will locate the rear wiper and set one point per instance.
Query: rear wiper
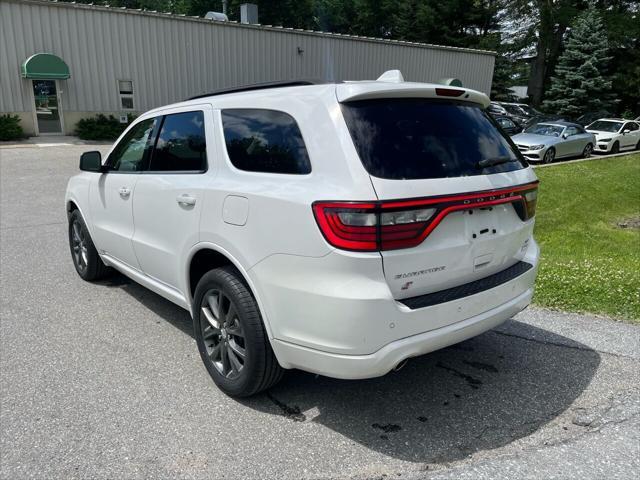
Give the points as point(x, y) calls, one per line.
point(490, 162)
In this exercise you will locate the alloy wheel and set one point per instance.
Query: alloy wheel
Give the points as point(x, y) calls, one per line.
point(222, 334)
point(79, 245)
point(549, 156)
point(587, 151)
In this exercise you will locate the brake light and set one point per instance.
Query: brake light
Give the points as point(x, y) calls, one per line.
point(390, 225)
point(448, 92)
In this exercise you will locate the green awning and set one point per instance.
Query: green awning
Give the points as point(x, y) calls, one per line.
point(45, 66)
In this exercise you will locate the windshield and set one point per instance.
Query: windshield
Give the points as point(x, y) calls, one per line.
point(545, 129)
point(417, 138)
point(529, 110)
point(604, 126)
point(513, 110)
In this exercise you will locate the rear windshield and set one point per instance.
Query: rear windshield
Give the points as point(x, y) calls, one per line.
point(415, 138)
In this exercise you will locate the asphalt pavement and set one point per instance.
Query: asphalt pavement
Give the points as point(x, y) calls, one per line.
point(104, 381)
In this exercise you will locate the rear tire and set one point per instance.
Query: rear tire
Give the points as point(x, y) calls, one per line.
point(638, 145)
point(549, 155)
point(615, 148)
point(588, 150)
point(230, 335)
point(85, 257)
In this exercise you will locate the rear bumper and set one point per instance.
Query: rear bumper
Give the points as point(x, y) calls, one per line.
point(384, 360)
point(336, 316)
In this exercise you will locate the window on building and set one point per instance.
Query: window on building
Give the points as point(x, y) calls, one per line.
point(125, 89)
point(264, 141)
point(181, 144)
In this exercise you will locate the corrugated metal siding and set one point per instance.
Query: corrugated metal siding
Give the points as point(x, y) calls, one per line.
point(170, 58)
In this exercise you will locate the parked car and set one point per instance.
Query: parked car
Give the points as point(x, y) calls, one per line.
point(515, 113)
point(521, 109)
point(507, 124)
point(268, 213)
point(591, 117)
point(614, 134)
point(496, 109)
point(546, 142)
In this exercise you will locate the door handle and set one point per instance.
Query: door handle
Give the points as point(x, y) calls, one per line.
point(124, 192)
point(186, 200)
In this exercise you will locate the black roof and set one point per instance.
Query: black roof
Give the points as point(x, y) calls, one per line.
point(261, 86)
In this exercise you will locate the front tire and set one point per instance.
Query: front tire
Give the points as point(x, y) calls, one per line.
point(549, 155)
point(85, 257)
point(230, 335)
point(615, 148)
point(588, 150)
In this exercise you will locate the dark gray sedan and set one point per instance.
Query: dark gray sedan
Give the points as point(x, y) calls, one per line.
point(545, 142)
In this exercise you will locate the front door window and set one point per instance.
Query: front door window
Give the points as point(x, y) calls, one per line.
point(46, 105)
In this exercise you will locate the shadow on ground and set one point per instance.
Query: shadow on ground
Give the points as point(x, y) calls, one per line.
point(477, 395)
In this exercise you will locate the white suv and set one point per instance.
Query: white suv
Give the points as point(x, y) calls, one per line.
point(336, 228)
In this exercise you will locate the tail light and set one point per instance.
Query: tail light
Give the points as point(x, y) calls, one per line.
point(390, 225)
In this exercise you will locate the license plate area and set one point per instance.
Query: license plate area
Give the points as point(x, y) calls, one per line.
point(482, 224)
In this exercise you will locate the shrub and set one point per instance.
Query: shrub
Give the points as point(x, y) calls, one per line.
point(101, 127)
point(10, 128)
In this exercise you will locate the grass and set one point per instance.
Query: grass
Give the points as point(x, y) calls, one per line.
point(589, 263)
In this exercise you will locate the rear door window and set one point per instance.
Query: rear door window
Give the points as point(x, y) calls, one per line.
point(267, 141)
point(419, 138)
point(181, 144)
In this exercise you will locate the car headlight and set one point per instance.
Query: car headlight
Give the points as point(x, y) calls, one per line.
point(536, 147)
point(604, 140)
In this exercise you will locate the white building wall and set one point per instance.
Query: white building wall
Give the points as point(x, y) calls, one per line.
point(170, 57)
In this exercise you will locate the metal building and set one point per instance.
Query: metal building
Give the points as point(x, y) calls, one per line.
point(115, 61)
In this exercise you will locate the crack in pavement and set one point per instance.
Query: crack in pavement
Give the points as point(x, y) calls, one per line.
point(562, 345)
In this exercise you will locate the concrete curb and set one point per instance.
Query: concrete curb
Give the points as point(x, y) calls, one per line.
point(593, 157)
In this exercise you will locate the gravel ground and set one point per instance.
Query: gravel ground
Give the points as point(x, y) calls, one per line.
point(104, 381)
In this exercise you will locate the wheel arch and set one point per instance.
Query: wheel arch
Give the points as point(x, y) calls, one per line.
point(213, 256)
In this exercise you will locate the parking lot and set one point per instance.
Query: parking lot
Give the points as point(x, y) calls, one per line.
point(104, 381)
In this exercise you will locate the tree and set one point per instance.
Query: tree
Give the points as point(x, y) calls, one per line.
point(580, 83)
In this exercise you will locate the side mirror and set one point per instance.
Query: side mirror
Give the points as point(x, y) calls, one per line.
point(565, 135)
point(626, 130)
point(91, 162)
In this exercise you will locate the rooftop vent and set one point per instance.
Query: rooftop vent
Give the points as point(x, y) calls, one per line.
point(249, 13)
point(221, 17)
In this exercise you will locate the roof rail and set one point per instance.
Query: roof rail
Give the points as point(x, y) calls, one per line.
point(261, 86)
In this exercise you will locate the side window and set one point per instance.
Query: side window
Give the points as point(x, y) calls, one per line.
point(130, 154)
point(181, 144)
point(264, 141)
point(634, 127)
point(506, 123)
point(631, 126)
point(572, 131)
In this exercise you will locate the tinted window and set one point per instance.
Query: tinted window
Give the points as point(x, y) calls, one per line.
point(130, 154)
point(506, 123)
point(181, 144)
point(631, 126)
point(422, 138)
point(264, 141)
point(605, 126)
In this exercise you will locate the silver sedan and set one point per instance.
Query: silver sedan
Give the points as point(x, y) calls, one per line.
point(545, 142)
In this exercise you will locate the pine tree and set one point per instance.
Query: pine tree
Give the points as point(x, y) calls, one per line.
point(580, 83)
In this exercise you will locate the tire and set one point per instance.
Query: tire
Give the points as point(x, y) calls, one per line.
point(638, 145)
point(615, 148)
point(85, 257)
point(230, 335)
point(549, 155)
point(588, 150)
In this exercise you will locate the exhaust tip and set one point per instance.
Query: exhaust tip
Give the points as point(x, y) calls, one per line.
point(400, 365)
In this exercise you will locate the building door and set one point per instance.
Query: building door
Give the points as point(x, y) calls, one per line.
point(47, 107)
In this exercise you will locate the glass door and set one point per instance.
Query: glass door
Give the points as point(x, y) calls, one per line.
point(47, 109)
